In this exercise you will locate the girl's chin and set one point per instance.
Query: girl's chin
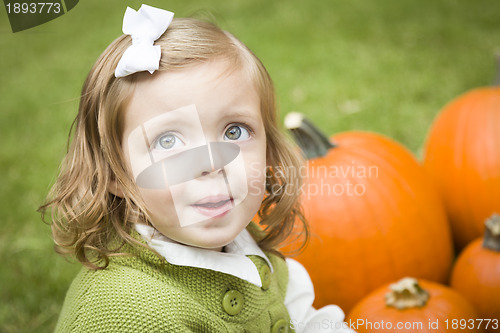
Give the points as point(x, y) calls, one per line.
point(215, 246)
point(213, 239)
point(202, 235)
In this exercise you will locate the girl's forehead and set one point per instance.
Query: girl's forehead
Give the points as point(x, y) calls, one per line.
point(213, 87)
point(208, 72)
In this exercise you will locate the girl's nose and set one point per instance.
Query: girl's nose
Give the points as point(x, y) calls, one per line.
point(215, 172)
point(223, 153)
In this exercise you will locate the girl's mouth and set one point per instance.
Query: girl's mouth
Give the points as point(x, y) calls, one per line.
point(214, 206)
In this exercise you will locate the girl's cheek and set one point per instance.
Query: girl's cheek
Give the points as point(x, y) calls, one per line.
point(256, 187)
point(158, 202)
point(256, 178)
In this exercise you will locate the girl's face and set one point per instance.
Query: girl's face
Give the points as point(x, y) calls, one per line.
point(195, 144)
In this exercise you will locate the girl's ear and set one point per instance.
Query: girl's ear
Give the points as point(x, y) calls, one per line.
point(116, 189)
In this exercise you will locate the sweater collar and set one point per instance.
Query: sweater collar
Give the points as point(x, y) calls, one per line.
point(233, 260)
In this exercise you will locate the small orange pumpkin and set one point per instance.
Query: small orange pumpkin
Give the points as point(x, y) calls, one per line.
point(374, 215)
point(414, 306)
point(462, 155)
point(476, 273)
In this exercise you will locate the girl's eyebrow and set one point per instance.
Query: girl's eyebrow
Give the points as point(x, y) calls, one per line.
point(239, 113)
point(171, 121)
point(157, 125)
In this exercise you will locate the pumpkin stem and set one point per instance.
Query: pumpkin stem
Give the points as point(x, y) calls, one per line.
point(492, 233)
point(311, 141)
point(405, 294)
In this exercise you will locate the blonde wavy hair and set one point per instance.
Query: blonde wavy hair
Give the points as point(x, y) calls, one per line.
point(86, 218)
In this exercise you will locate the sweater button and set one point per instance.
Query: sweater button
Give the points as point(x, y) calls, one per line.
point(232, 302)
point(279, 326)
point(265, 277)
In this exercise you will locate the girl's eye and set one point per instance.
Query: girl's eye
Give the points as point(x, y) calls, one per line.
point(168, 141)
point(236, 132)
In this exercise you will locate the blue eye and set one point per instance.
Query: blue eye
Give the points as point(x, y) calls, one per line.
point(168, 142)
point(236, 133)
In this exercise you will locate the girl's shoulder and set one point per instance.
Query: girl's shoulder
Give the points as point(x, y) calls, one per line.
point(115, 299)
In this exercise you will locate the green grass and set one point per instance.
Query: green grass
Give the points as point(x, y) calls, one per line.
point(386, 66)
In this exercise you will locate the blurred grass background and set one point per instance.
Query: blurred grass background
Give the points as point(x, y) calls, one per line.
point(386, 66)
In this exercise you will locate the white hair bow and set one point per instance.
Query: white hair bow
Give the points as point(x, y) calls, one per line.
point(145, 26)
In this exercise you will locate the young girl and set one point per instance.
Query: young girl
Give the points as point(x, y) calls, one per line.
point(176, 147)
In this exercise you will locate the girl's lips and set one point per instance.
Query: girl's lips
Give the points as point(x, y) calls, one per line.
point(214, 206)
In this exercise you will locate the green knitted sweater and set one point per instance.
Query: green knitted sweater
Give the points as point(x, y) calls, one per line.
point(144, 293)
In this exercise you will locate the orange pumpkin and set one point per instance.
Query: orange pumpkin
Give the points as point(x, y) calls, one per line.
point(414, 306)
point(462, 155)
point(373, 213)
point(476, 273)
